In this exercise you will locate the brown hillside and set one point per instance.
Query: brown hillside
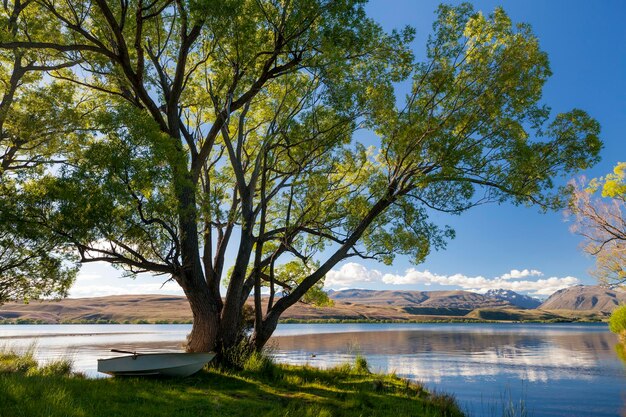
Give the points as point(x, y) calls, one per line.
point(154, 308)
point(117, 308)
point(585, 298)
point(445, 299)
point(449, 303)
point(574, 303)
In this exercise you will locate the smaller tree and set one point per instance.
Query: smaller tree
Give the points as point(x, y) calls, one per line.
point(602, 222)
point(617, 322)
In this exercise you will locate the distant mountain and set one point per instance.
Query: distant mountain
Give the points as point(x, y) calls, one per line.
point(518, 300)
point(574, 303)
point(159, 308)
point(585, 297)
point(452, 303)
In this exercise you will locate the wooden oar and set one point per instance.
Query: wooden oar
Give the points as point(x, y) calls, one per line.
point(125, 351)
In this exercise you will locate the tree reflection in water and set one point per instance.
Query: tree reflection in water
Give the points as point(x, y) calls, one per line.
point(620, 349)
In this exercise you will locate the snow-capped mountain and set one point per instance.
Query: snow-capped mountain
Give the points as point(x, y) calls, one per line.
point(519, 300)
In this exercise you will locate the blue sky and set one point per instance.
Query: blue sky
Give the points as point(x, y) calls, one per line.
point(496, 245)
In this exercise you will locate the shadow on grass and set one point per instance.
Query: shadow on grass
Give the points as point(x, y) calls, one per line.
point(348, 391)
point(286, 391)
point(211, 395)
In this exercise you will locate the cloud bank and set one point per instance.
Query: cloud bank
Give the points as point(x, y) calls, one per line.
point(93, 285)
point(353, 274)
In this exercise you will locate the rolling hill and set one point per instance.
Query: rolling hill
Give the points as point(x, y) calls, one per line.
point(585, 298)
point(450, 303)
point(158, 308)
point(580, 302)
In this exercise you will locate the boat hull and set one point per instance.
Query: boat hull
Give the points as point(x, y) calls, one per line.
point(156, 364)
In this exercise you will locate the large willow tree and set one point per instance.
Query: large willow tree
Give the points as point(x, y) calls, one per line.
point(220, 127)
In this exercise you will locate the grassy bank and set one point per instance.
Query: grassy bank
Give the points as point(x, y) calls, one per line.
point(260, 389)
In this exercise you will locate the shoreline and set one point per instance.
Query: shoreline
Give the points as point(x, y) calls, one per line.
point(460, 320)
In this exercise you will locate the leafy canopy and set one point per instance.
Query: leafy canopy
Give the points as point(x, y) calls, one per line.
point(37, 119)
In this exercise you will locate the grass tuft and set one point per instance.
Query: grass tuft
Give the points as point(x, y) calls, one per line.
point(262, 364)
point(59, 367)
point(360, 365)
point(12, 362)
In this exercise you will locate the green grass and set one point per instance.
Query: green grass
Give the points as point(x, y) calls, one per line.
point(24, 363)
point(262, 388)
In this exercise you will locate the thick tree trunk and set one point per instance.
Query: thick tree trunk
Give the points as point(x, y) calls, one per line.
point(206, 321)
point(204, 300)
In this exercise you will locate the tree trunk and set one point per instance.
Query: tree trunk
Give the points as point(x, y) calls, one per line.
point(263, 334)
point(206, 322)
point(205, 301)
point(232, 310)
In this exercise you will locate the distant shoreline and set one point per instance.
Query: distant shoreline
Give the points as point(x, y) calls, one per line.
point(318, 321)
point(360, 307)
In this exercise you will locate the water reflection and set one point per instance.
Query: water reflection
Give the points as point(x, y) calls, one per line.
point(620, 350)
point(527, 356)
point(557, 370)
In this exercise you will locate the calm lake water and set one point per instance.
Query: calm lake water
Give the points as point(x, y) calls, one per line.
point(556, 370)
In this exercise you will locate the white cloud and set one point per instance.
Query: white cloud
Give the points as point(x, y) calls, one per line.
point(100, 279)
point(81, 289)
point(516, 274)
point(354, 273)
point(351, 274)
point(541, 287)
point(88, 277)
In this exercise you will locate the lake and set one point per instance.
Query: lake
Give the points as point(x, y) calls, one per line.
point(553, 369)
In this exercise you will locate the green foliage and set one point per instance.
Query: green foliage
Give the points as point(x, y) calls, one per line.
point(469, 112)
point(32, 269)
point(617, 321)
point(613, 185)
point(294, 272)
point(34, 262)
point(38, 117)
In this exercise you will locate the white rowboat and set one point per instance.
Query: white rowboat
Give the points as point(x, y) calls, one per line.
point(177, 364)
